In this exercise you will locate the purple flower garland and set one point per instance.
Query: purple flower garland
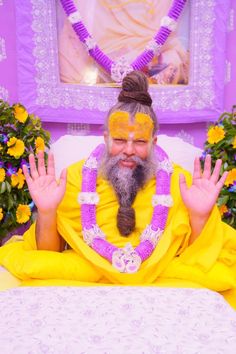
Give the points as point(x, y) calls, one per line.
point(121, 68)
point(127, 259)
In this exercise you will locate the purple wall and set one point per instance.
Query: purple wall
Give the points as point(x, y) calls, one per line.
point(194, 133)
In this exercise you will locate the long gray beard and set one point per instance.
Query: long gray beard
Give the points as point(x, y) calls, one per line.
point(126, 181)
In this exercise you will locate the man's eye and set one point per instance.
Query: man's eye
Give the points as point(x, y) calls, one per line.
point(140, 142)
point(120, 141)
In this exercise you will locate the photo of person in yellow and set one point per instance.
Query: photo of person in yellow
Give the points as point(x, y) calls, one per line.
point(122, 29)
point(126, 215)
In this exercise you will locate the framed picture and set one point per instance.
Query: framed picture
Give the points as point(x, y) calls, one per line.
point(122, 29)
point(60, 82)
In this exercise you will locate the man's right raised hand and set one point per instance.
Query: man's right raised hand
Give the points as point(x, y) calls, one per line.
point(45, 190)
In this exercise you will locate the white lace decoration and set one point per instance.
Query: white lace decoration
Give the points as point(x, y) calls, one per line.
point(90, 43)
point(165, 165)
point(169, 23)
point(3, 54)
point(162, 199)
point(4, 94)
point(75, 17)
point(120, 69)
point(90, 234)
point(91, 163)
point(88, 198)
point(150, 235)
point(126, 260)
point(154, 47)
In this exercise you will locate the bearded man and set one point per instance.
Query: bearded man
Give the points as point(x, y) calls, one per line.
point(126, 215)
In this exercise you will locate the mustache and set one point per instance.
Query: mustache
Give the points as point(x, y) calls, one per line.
point(122, 157)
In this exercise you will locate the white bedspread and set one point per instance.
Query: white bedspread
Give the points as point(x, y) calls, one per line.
point(122, 320)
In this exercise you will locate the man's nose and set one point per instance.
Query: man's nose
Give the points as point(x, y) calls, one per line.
point(129, 148)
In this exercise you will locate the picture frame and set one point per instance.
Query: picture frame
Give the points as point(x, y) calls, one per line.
point(42, 92)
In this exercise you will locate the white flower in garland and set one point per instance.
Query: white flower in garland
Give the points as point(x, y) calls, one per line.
point(169, 23)
point(90, 43)
point(162, 199)
point(120, 69)
point(154, 47)
point(126, 260)
point(88, 198)
point(75, 17)
point(90, 234)
point(91, 163)
point(150, 235)
point(165, 165)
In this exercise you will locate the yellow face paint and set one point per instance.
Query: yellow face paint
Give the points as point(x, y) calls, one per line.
point(120, 126)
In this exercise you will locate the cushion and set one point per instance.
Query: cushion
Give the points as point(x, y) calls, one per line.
point(71, 148)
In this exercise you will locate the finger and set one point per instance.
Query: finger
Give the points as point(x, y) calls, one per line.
point(51, 164)
point(221, 181)
point(207, 167)
point(182, 184)
point(27, 175)
point(41, 164)
point(216, 172)
point(33, 167)
point(63, 177)
point(197, 173)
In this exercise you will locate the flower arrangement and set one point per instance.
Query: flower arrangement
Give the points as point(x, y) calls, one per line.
point(221, 144)
point(21, 133)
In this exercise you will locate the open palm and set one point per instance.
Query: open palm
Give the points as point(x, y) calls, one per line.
point(202, 195)
point(44, 189)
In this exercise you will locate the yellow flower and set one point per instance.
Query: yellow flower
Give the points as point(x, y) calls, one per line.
point(234, 143)
point(1, 147)
point(20, 113)
point(223, 209)
point(23, 213)
point(16, 147)
point(2, 174)
point(39, 144)
point(215, 134)
point(231, 177)
point(18, 178)
point(1, 214)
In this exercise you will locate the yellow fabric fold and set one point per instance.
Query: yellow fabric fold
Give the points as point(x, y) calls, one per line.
point(205, 250)
point(8, 281)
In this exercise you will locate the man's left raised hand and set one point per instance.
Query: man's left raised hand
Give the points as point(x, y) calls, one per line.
point(202, 195)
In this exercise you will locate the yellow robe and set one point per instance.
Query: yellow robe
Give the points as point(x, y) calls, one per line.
point(209, 262)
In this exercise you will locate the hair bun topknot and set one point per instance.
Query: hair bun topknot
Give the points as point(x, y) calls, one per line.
point(135, 88)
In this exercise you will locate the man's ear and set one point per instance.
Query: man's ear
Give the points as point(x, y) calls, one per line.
point(106, 137)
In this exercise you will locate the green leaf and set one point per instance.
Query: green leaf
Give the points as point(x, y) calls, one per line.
point(3, 187)
point(8, 186)
point(222, 200)
point(10, 202)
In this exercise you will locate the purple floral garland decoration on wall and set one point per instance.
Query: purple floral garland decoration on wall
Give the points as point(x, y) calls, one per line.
point(120, 68)
point(127, 259)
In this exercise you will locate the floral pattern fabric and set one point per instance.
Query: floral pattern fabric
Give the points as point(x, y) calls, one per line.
point(110, 320)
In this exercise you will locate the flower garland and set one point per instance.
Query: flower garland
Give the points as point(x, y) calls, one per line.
point(127, 259)
point(119, 69)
